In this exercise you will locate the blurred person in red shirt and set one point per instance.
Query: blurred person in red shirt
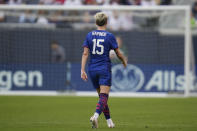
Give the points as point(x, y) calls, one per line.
point(59, 2)
point(90, 2)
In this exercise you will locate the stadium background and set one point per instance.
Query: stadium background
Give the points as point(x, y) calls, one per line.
point(35, 53)
point(27, 42)
point(40, 53)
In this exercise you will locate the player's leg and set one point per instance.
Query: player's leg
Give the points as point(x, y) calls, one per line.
point(104, 82)
point(104, 92)
point(102, 106)
point(95, 81)
point(103, 97)
point(106, 79)
point(106, 110)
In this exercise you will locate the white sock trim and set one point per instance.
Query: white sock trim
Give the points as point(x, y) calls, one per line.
point(108, 120)
point(96, 115)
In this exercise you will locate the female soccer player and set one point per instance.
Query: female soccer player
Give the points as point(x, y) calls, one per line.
point(98, 44)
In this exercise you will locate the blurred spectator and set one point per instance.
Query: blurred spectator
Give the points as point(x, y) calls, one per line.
point(57, 17)
point(27, 17)
point(122, 48)
point(126, 21)
point(2, 16)
point(194, 10)
point(57, 52)
point(100, 2)
point(73, 2)
point(90, 2)
point(165, 2)
point(14, 2)
point(59, 2)
point(114, 2)
point(125, 2)
point(41, 18)
point(114, 21)
point(106, 2)
point(47, 2)
point(136, 2)
point(148, 3)
point(3, 1)
point(120, 21)
point(87, 17)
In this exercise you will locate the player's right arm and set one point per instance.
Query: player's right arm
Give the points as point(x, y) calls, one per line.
point(83, 63)
point(121, 57)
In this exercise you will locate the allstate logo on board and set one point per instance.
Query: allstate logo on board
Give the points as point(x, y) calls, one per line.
point(127, 79)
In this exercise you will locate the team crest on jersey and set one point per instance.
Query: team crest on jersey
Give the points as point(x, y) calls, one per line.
point(127, 79)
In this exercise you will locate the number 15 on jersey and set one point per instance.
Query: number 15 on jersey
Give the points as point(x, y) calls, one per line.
point(97, 43)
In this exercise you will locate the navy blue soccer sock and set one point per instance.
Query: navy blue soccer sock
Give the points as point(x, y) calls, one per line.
point(106, 112)
point(102, 103)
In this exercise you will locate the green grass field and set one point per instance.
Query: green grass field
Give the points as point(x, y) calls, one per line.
point(33, 113)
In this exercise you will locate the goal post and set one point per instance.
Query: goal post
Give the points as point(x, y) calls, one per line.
point(188, 51)
point(163, 77)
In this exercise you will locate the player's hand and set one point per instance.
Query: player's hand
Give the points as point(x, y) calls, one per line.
point(84, 76)
point(124, 63)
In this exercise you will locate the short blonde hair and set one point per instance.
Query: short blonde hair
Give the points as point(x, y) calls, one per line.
point(101, 18)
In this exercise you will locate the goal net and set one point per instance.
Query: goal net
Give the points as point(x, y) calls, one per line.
point(41, 47)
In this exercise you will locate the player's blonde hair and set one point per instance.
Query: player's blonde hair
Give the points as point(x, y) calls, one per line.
point(101, 18)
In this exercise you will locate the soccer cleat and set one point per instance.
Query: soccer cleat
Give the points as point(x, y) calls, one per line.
point(110, 123)
point(94, 122)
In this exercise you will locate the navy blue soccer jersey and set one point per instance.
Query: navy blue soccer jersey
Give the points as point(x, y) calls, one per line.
point(100, 42)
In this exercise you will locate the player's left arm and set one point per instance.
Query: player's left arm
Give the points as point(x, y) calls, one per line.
point(83, 63)
point(114, 46)
point(121, 57)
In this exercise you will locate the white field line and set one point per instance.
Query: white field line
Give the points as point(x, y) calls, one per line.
point(85, 93)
